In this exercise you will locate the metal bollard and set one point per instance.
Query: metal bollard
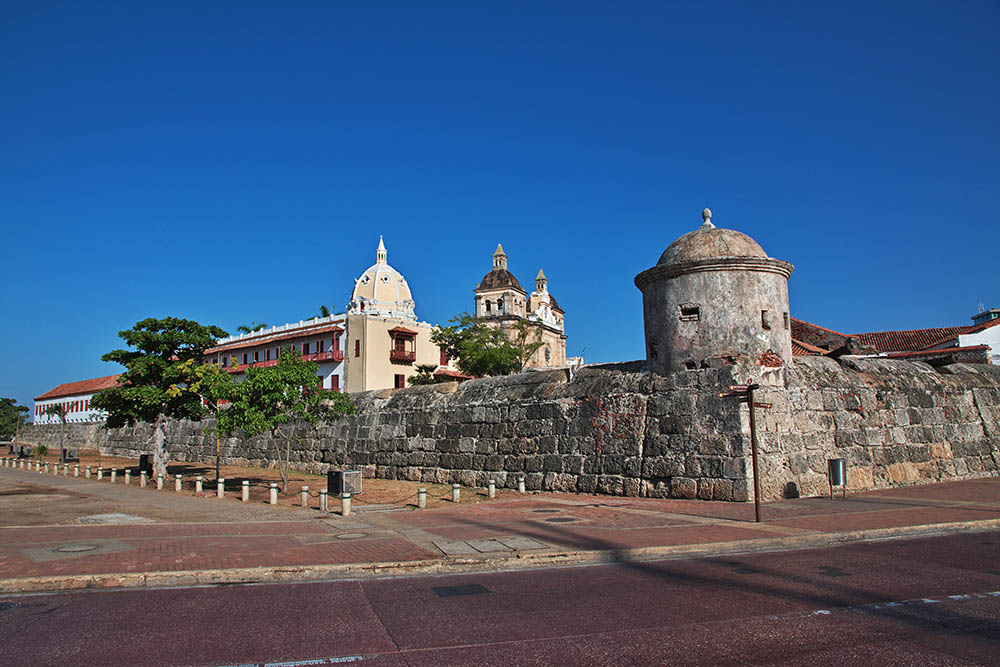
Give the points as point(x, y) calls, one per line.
point(128, 476)
point(142, 478)
point(220, 488)
point(246, 491)
point(456, 493)
point(272, 493)
point(491, 489)
point(87, 474)
point(421, 498)
point(520, 484)
point(198, 484)
point(100, 473)
point(177, 483)
point(837, 473)
point(114, 473)
point(304, 496)
point(159, 482)
point(345, 504)
point(76, 470)
point(322, 500)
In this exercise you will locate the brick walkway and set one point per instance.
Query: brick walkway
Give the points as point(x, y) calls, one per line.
point(164, 531)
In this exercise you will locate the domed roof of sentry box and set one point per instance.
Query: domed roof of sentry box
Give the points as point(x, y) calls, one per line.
point(707, 242)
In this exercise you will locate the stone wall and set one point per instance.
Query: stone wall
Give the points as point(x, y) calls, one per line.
point(619, 430)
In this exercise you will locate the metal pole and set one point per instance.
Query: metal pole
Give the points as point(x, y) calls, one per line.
point(753, 442)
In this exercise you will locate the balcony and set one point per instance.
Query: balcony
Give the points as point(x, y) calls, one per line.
point(403, 356)
point(329, 355)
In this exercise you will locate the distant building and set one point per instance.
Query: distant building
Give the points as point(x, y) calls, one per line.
point(502, 301)
point(376, 344)
point(75, 397)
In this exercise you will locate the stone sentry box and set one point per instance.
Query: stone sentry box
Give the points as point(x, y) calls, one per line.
point(715, 299)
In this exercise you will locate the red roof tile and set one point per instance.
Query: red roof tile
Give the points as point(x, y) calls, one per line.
point(276, 338)
point(909, 340)
point(403, 330)
point(975, 328)
point(81, 387)
point(801, 349)
point(942, 352)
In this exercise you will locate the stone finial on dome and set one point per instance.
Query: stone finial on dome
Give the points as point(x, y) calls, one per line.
point(499, 258)
point(706, 215)
point(541, 282)
point(380, 253)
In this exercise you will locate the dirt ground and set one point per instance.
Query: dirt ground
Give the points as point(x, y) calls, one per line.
point(374, 491)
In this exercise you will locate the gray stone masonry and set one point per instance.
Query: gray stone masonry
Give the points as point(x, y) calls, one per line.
point(618, 430)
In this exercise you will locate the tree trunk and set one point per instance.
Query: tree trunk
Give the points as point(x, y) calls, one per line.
point(159, 447)
point(287, 462)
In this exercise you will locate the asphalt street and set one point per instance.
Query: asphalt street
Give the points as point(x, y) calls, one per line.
point(931, 601)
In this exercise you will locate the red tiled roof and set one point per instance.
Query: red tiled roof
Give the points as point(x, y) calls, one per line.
point(267, 340)
point(801, 349)
point(402, 330)
point(909, 340)
point(81, 387)
point(447, 372)
point(975, 328)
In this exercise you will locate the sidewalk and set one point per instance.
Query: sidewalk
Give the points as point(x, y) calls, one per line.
point(104, 535)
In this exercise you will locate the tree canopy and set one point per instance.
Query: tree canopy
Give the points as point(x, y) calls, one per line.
point(163, 357)
point(271, 398)
point(482, 348)
point(164, 354)
point(12, 417)
point(252, 327)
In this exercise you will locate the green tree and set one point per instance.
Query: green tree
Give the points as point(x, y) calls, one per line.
point(214, 386)
point(12, 417)
point(155, 368)
point(59, 410)
point(250, 328)
point(324, 311)
point(425, 375)
point(481, 348)
point(271, 399)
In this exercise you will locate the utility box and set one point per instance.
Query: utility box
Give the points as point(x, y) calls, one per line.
point(343, 481)
point(69, 456)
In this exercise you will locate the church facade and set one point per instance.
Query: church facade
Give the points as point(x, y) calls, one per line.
point(502, 301)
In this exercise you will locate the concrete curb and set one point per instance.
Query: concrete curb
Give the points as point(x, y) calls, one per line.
point(520, 561)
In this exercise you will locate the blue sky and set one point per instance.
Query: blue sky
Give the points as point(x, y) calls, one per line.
point(229, 162)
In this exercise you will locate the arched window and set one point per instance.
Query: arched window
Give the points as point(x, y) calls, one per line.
point(500, 306)
point(488, 305)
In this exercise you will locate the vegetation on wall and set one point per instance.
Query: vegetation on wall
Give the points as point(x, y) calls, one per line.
point(481, 348)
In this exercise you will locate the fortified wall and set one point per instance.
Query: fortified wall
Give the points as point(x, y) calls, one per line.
point(716, 314)
point(620, 430)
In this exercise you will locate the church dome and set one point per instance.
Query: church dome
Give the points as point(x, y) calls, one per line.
point(382, 290)
point(708, 242)
point(499, 279)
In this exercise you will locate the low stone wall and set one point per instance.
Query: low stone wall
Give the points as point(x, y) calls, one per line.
point(621, 431)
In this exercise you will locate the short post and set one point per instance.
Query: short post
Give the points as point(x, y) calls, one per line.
point(76, 470)
point(272, 493)
point(87, 474)
point(128, 476)
point(322, 501)
point(421, 498)
point(345, 504)
point(245, 487)
point(114, 473)
point(520, 484)
point(304, 496)
point(100, 473)
point(142, 479)
point(198, 487)
point(65, 469)
point(491, 489)
point(38, 466)
point(159, 482)
point(456, 493)
point(177, 483)
point(220, 488)
point(46, 467)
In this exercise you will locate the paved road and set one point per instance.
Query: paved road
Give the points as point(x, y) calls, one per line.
point(932, 601)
